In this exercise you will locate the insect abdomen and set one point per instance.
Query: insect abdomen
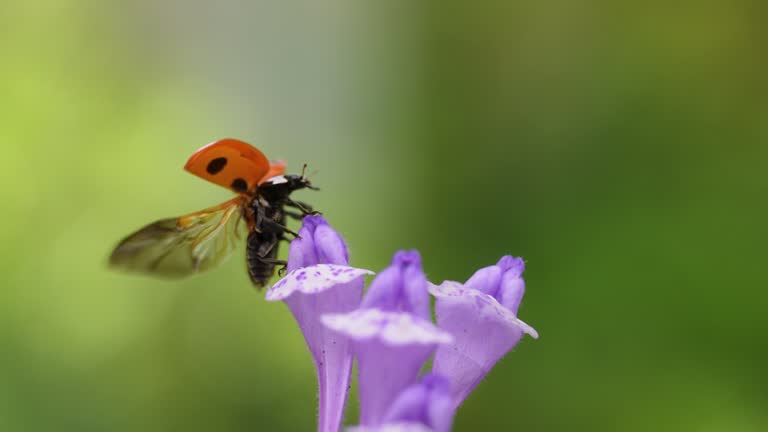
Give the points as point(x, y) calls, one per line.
point(260, 255)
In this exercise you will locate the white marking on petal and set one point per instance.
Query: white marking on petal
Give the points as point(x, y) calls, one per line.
point(314, 279)
point(393, 328)
point(485, 305)
point(391, 427)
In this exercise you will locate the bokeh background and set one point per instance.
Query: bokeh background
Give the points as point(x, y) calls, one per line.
point(620, 147)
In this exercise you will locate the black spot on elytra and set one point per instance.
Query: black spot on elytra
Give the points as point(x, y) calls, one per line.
point(239, 185)
point(215, 166)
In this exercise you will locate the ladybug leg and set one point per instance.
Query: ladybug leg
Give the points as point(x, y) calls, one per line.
point(282, 263)
point(281, 228)
point(305, 208)
point(297, 216)
point(273, 261)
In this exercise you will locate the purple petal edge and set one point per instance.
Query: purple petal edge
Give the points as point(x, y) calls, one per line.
point(391, 427)
point(314, 279)
point(392, 328)
point(487, 305)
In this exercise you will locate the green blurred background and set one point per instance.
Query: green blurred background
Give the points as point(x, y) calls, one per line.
point(620, 147)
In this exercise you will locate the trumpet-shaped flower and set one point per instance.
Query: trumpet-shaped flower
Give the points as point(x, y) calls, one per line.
point(320, 282)
point(392, 335)
point(481, 315)
point(425, 406)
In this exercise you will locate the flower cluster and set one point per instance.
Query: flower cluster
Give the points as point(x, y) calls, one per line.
point(391, 334)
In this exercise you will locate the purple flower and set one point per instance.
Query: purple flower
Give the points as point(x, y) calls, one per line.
point(425, 406)
point(392, 335)
point(320, 282)
point(482, 317)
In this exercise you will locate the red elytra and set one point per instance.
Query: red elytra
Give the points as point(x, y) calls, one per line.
point(233, 164)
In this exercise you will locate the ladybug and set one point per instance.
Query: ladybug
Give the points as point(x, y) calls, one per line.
point(195, 242)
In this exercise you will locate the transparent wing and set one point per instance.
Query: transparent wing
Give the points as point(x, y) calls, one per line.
point(182, 246)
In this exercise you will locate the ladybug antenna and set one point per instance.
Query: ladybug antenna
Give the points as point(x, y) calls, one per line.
point(306, 180)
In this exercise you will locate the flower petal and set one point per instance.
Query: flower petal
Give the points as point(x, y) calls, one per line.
point(428, 402)
point(331, 352)
point(491, 279)
point(317, 243)
point(320, 282)
point(383, 292)
point(415, 291)
point(400, 287)
point(510, 264)
point(486, 280)
point(392, 427)
point(484, 305)
point(331, 247)
point(511, 291)
point(390, 347)
point(392, 328)
point(483, 332)
point(314, 279)
point(425, 406)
